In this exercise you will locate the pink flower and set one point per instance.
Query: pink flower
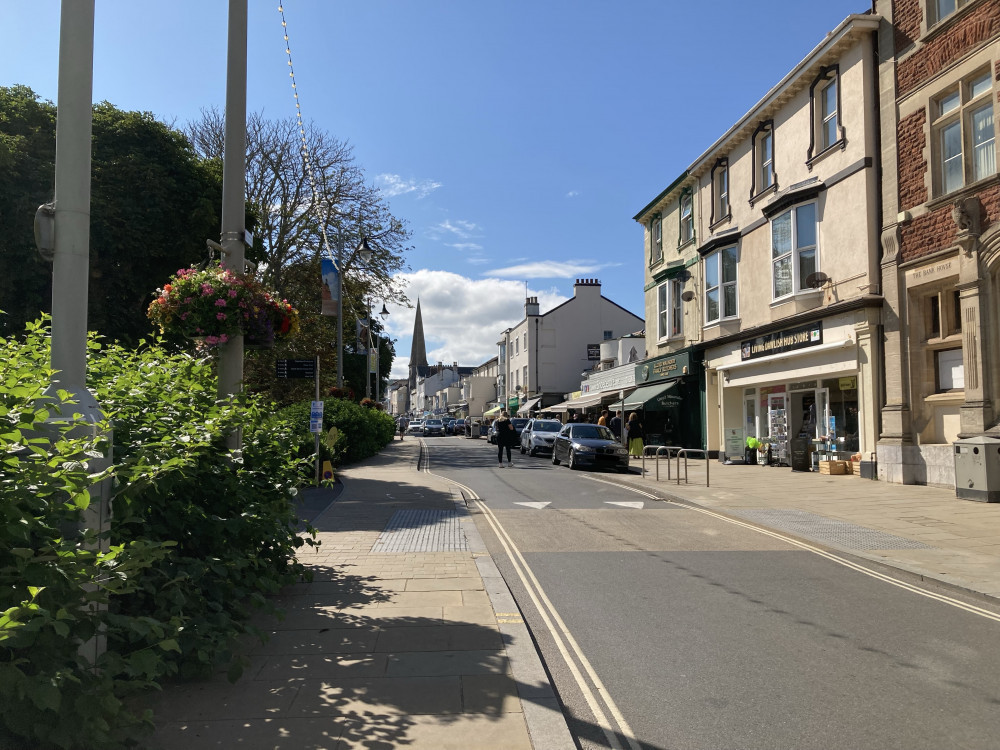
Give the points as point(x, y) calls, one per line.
point(184, 315)
point(220, 302)
point(220, 316)
point(233, 292)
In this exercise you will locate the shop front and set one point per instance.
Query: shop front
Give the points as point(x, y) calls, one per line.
point(805, 392)
point(670, 400)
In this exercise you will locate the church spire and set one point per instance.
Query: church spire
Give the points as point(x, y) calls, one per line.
point(418, 349)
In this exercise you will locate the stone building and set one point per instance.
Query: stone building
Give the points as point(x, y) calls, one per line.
point(940, 232)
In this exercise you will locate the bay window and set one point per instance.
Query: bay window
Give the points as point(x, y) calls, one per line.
point(721, 285)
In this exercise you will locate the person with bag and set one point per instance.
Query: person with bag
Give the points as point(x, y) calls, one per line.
point(505, 434)
point(633, 431)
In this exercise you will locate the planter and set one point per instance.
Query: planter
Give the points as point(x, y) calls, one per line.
point(258, 342)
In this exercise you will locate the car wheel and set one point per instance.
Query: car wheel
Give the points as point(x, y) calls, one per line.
point(555, 461)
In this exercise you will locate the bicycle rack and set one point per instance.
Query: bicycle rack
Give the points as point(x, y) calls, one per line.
point(684, 452)
point(659, 450)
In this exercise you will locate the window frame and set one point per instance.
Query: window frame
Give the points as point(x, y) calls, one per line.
point(943, 121)
point(934, 16)
point(721, 191)
point(685, 224)
point(828, 76)
point(669, 310)
point(716, 258)
point(939, 381)
point(763, 134)
point(795, 252)
point(655, 239)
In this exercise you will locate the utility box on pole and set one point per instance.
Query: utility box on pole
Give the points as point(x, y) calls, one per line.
point(977, 469)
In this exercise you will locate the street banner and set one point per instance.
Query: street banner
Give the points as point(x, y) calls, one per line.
point(331, 286)
point(372, 362)
point(364, 336)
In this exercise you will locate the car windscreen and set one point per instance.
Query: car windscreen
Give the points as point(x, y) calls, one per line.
point(552, 426)
point(592, 432)
point(519, 423)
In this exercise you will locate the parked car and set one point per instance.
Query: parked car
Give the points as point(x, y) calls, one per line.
point(458, 427)
point(589, 445)
point(433, 427)
point(539, 435)
point(416, 427)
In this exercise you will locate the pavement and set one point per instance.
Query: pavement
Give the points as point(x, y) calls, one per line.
point(408, 636)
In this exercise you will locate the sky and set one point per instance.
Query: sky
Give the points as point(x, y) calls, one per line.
point(515, 139)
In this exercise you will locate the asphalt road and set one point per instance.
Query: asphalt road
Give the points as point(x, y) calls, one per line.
point(664, 627)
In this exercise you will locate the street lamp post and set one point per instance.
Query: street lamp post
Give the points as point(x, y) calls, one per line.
point(365, 253)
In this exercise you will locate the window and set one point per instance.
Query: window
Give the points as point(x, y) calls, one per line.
point(720, 190)
point(720, 284)
point(793, 250)
point(941, 9)
point(964, 135)
point(669, 312)
point(524, 377)
point(942, 314)
point(950, 370)
point(763, 177)
point(516, 345)
point(656, 239)
point(608, 335)
point(525, 342)
point(687, 217)
point(824, 104)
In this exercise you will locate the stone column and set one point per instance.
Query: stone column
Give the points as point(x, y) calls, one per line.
point(869, 379)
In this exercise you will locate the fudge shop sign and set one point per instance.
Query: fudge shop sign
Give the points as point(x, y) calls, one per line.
point(780, 342)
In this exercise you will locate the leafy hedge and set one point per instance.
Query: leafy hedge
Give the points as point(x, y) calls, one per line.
point(198, 538)
point(362, 432)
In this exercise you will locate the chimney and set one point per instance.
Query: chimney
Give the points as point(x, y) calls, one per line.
point(530, 306)
point(592, 284)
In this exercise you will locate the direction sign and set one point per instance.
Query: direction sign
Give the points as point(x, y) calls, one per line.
point(296, 368)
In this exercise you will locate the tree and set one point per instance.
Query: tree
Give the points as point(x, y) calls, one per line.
point(292, 213)
point(153, 204)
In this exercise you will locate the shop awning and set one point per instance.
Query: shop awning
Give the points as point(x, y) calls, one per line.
point(494, 412)
point(529, 405)
point(584, 402)
point(652, 397)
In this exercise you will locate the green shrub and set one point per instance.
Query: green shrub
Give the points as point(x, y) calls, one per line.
point(362, 432)
point(199, 537)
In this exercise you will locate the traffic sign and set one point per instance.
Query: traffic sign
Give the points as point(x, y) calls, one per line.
point(296, 368)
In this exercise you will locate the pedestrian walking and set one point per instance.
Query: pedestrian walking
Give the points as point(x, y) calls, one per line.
point(604, 418)
point(505, 435)
point(633, 431)
point(615, 425)
point(403, 424)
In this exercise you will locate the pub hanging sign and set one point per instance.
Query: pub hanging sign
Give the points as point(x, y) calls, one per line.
point(782, 341)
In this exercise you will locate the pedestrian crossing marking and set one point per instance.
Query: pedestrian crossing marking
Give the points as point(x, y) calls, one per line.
point(637, 504)
point(536, 506)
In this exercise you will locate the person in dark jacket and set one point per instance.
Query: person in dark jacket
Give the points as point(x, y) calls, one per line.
point(506, 436)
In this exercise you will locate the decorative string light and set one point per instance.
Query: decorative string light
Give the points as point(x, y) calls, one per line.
point(306, 158)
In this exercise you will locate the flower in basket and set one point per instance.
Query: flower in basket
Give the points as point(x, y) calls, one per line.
point(204, 303)
point(267, 317)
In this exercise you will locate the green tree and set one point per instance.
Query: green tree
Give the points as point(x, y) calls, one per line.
point(153, 204)
point(289, 242)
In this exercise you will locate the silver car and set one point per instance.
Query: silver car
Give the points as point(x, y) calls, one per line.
point(539, 435)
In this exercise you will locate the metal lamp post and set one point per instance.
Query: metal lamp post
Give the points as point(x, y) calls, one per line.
point(365, 253)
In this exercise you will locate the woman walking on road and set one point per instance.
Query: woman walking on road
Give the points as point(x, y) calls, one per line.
point(505, 435)
point(633, 431)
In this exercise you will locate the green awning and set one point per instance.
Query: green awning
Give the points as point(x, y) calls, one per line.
point(655, 397)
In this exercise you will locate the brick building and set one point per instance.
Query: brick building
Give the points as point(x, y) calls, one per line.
point(938, 81)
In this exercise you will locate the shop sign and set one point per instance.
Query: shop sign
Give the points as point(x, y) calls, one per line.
point(782, 341)
point(663, 368)
point(932, 272)
point(609, 380)
point(849, 384)
point(593, 352)
point(513, 403)
point(735, 442)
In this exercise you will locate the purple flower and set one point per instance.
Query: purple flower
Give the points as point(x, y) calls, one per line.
point(220, 302)
point(221, 316)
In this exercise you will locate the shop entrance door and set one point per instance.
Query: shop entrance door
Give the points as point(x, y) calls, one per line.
point(777, 426)
point(809, 418)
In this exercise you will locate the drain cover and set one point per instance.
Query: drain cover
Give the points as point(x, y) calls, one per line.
point(828, 530)
point(421, 531)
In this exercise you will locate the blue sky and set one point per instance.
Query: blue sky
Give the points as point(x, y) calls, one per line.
point(516, 139)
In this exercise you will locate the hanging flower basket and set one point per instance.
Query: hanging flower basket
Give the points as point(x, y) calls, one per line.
point(210, 305)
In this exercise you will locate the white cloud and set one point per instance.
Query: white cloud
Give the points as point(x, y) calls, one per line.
point(466, 246)
point(462, 317)
point(550, 269)
point(463, 230)
point(572, 193)
point(393, 184)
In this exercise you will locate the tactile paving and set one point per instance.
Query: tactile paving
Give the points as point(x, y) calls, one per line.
point(421, 531)
point(827, 530)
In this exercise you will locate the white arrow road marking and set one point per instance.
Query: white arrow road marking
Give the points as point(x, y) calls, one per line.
point(638, 504)
point(536, 506)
